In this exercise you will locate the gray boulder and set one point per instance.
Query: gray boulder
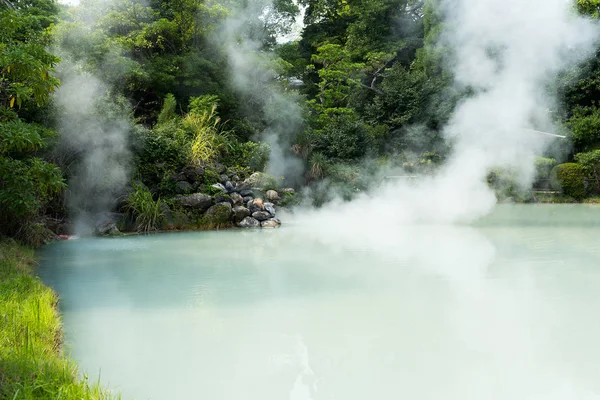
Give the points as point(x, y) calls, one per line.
point(261, 215)
point(229, 186)
point(242, 186)
point(246, 193)
point(247, 199)
point(288, 191)
point(219, 213)
point(249, 222)
point(270, 208)
point(236, 199)
point(108, 228)
point(253, 206)
point(240, 212)
point(271, 223)
point(222, 198)
point(272, 195)
point(183, 187)
point(219, 186)
point(197, 201)
point(224, 178)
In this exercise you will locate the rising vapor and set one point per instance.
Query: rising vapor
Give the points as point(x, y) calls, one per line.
point(505, 52)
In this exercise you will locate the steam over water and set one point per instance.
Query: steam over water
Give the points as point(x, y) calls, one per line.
point(507, 309)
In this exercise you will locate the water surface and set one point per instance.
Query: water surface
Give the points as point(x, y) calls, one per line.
point(506, 309)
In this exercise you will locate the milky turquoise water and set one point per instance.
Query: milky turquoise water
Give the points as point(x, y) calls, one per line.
point(506, 309)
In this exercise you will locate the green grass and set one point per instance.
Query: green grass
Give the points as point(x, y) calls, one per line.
point(32, 365)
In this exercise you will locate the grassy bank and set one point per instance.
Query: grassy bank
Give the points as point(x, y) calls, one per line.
point(32, 365)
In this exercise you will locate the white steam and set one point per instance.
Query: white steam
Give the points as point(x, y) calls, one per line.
point(254, 77)
point(94, 125)
point(506, 52)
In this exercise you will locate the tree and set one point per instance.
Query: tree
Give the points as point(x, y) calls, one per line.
point(27, 182)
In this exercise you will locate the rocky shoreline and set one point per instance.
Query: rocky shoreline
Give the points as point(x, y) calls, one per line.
point(230, 203)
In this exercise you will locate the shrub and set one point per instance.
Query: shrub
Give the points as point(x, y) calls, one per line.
point(585, 127)
point(203, 104)
point(211, 177)
point(252, 155)
point(147, 213)
point(207, 139)
point(27, 182)
point(342, 138)
point(570, 178)
point(590, 162)
point(168, 113)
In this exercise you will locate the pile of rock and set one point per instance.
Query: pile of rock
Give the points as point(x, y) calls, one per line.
point(241, 203)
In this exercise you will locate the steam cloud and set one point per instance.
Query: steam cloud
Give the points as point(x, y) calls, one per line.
point(506, 52)
point(252, 74)
point(94, 127)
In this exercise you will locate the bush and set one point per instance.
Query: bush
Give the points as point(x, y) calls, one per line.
point(147, 213)
point(168, 112)
point(252, 155)
point(342, 139)
point(27, 182)
point(585, 127)
point(590, 162)
point(211, 177)
point(570, 179)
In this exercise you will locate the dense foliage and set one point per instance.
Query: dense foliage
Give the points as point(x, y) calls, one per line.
point(225, 87)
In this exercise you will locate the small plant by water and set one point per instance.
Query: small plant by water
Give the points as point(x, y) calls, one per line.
point(146, 212)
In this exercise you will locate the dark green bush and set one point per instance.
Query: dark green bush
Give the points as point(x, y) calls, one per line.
point(585, 127)
point(570, 179)
point(211, 177)
point(590, 162)
point(342, 138)
point(252, 155)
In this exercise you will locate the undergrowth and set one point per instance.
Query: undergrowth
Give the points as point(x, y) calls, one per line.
point(31, 363)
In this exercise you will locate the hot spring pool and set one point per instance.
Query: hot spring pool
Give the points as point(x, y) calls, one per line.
point(506, 309)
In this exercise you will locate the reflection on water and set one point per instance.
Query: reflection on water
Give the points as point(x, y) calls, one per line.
point(504, 310)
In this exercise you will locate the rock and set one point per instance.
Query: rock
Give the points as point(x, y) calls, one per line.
point(236, 199)
point(222, 198)
point(261, 215)
point(229, 186)
point(249, 222)
point(235, 177)
point(250, 205)
point(107, 229)
point(247, 199)
point(193, 174)
point(219, 213)
point(195, 201)
point(261, 180)
point(270, 208)
point(271, 223)
point(242, 186)
point(219, 186)
point(246, 193)
point(288, 191)
point(255, 205)
point(240, 212)
point(183, 187)
point(272, 195)
point(259, 203)
point(224, 178)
